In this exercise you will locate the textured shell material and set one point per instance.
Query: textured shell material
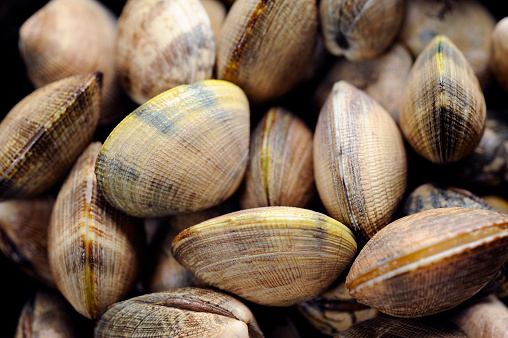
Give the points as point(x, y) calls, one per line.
point(94, 250)
point(72, 37)
point(23, 235)
point(280, 170)
point(184, 150)
point(499, 50)
point(186, 312)
point(443, 110)
point(359, 160)
point(44, 134)
point(275, 256)
point(361, 29)
point(161, 45)
point(424, 20)
point(430, 261)
point(265, 47)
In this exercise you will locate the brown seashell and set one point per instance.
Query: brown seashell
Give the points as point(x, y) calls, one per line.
point(499, 52)
point(44, 134)
point(187, 312)
point(443, 110)
point(23, 235)
point(265, 47)
point(360, 29)
point(430, 261)
point(359, 160)
point(280, 171)
point(162, 44)
point(465, 22)
point(94, 250)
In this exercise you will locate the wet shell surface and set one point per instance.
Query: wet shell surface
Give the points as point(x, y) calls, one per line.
point(44, 134)
point(275, 256)
point(280, 171)
point(359, 160)
point(94, 250)
point(72, 37)
point(360, 29)
point(186, 312)
point(499, 51)
point(23, 235)
point(429, 262)
point(265, 47)
point(162, 44)
point(443, 110)
point(184, 150)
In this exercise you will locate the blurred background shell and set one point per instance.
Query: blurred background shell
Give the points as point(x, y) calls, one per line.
point(499, 52)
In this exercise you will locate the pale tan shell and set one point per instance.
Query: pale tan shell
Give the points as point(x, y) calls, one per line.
point(360, 29)
point(216, 11)
point(23, 235)
point(359, 160)
point(72, 37)
point(430, 261)
point(499, 52)
point(265, 47)
point(280, 171)
point(187, 312)
point(184, 150)
point(443, 110)
point(465, 22)
point(161, 45)
point(383, 78)
point(276, 256)
point(44, 134)
point(94, 250)
point(496, 202)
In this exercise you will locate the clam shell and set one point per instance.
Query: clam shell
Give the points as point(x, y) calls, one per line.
point(359, 160)
point(72, 37)
point(184, 150)
point(23, 235)
point(94, 250)
point(265, 47)
point(44, 134)
point(216, 11)
point(280, 171)
point(443, 110)
point(187, 312)
point(161, 45)
point(430, 261)
point(499, 50)
point(360, 29)
point(276, 256)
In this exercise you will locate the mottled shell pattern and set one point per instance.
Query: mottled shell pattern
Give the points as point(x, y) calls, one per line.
point(44, 134)
point(280, 171)
point(186, 312)
point(275, 256)
point(94, 250)
point(360, 29)
point(430, 261)
point(443, 110)
point(184, 150)
point(72, 37)
point(162, 44)
point(359, 160)
point(265, 47)
point(499, 50)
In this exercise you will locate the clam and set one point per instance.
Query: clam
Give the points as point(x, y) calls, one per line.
point(430, 261)
point(496, 202)
point(360, 29)
point(275, 256)
point(23, 235)
point(72, 37)
point(184, 150)
point(359, 160)
point(186, 312)
point(280, 171)
point(216, 13)
point(499, 51)
point(94, 250)
point(44, 134)
point(443, 110)
point(161, 45)
point(265, 47)
point(465, 22)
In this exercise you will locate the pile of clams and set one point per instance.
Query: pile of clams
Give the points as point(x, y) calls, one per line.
point(257, 168)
